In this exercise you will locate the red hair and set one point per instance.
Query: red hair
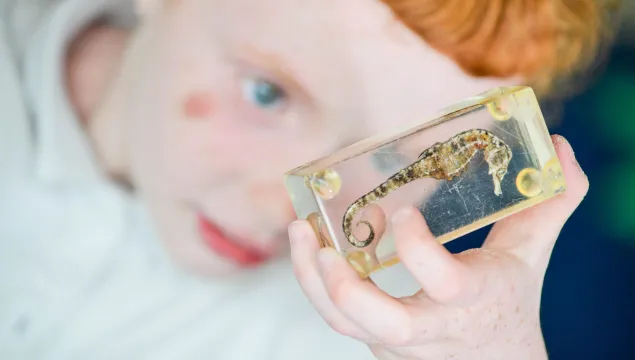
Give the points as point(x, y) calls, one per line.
point(540, 40)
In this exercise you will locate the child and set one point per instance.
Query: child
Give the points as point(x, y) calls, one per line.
point(143, 211)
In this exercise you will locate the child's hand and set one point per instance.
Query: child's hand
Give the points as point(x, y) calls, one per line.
point(480, 304)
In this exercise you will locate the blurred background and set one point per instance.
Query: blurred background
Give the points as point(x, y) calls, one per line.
point(589, 295)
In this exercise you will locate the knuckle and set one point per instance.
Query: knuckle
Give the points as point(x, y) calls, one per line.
point(450, 288)
point(448, 293)
point(301, 272)
point(398, 336)
point(338, 291)
point(342, 329)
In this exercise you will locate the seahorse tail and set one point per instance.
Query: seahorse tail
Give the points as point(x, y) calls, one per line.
point(348, 227)
point(406, 175)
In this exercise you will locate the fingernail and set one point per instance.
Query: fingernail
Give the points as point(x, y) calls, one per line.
point(327, 257)
point(402, 215)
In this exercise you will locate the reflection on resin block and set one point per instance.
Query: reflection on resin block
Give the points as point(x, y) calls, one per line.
point(478, 161)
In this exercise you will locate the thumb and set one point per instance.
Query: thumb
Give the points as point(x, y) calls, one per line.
point(532, 233)
point(443, 277)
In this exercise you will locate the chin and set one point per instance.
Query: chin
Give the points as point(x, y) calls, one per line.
point(205, 264)
point(199, 259)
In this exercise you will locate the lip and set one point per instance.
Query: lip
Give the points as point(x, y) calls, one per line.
point(226, 246)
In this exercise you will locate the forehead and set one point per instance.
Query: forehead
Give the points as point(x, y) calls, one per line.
point(351, 54)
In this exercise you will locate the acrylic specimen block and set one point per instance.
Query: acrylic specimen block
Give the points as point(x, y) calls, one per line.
point(477, 162)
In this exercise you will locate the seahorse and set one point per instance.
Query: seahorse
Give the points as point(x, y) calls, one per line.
point(441, 161)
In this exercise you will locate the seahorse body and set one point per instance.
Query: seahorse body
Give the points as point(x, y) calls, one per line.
point(441, 161)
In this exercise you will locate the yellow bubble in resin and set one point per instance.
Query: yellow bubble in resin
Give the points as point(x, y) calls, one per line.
point(499, 110)
point(327, 183)
point(529, 182)
point(361, 261)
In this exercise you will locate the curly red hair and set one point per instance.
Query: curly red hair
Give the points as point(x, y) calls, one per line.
point(540, 40)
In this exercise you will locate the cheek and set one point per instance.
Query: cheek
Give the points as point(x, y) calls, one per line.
point(203, 145)
point(195, 162)
point(214, 144)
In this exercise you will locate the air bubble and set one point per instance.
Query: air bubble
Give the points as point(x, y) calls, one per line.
point(327, 183)
point(529, 182)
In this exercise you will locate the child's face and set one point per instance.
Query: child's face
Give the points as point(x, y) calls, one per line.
point(227, 95)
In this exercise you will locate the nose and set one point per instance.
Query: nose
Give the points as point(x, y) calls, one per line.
point(272, 201)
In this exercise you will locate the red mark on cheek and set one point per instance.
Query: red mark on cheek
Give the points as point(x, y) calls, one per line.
point(198, 106)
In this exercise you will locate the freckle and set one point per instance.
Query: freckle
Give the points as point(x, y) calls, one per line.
point(517, 309)
point(199, 105)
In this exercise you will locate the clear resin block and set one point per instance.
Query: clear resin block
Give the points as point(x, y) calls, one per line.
point(477, 162)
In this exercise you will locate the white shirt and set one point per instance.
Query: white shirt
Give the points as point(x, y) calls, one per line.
point(82, 275)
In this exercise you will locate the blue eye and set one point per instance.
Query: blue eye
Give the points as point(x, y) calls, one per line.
point(263, 93)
